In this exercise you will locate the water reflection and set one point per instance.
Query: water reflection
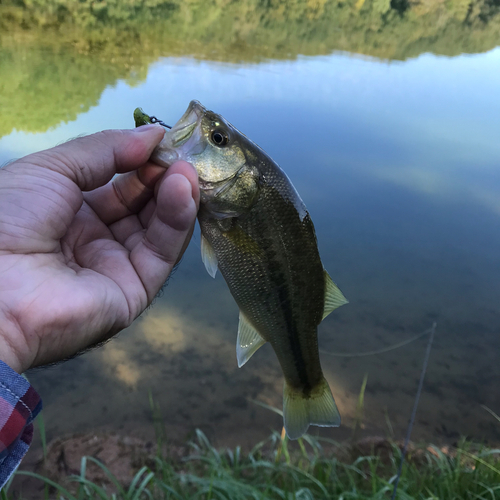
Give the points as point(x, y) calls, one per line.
point(396, 161)
point(55, 63)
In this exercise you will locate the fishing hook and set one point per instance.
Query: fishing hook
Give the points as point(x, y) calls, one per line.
point(153, 119)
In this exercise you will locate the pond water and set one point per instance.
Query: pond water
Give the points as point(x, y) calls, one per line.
point(392, 142)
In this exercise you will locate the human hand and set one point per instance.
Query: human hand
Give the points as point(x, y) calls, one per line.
point(83, 253)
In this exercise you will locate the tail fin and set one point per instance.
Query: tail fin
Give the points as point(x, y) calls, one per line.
point(301, 411)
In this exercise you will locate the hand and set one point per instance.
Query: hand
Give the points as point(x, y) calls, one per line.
point(83, 253)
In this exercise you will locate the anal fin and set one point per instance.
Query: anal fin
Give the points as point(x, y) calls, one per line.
point(333, 296)
point(249, 340)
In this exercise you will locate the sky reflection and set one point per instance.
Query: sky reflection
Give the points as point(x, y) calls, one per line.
point(428, 123)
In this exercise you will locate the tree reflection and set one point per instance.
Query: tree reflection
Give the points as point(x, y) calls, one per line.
point(57, 56)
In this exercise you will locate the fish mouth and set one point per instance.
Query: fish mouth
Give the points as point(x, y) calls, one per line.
point(184, 128)
point(170, 148)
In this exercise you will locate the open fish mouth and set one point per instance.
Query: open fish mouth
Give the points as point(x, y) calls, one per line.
point(184, 128)
point(171, 147)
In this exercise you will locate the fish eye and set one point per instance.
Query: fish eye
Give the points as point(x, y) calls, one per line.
point(219, 138)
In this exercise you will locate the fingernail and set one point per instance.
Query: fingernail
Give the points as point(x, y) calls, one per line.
point(147, 128)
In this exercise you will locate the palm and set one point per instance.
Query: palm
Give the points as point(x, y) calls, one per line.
point(77, 267)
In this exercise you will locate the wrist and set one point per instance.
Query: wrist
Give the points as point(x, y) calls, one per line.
point(9, 359)
point(10, 348)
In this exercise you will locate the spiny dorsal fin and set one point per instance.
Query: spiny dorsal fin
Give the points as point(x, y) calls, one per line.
point(333, 296)
point(249, 340)
point(208, 257)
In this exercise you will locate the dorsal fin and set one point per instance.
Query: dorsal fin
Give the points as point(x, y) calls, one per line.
point(249, 340)
point(333, 296)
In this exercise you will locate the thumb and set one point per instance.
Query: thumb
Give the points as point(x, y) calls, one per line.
point(170, 228)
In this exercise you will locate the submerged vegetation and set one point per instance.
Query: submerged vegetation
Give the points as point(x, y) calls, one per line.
point(57, 56)
point(311, 469)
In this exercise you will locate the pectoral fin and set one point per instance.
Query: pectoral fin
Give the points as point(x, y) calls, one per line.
point(249, 340)
point(208, 257)
point(333, 296)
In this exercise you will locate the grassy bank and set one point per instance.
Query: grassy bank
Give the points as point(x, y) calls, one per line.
point(306, 469)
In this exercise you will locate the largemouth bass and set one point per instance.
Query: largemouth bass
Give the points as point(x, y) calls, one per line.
point(257, 231)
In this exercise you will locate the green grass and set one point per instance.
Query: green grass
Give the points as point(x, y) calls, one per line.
point(302, 470)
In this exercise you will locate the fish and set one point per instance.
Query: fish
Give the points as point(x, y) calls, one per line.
point(256, 230)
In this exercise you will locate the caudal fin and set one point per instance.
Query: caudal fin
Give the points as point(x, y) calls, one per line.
point(301, 411)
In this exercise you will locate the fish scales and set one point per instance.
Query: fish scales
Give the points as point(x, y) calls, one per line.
point(280, 286)
point(257, 231)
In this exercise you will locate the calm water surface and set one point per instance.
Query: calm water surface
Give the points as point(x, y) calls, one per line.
point(398, 164)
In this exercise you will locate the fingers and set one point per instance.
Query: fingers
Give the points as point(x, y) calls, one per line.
point(130, 212)
point(169, 228)
point(165, 204)
point(92, 161)
point(125, 195)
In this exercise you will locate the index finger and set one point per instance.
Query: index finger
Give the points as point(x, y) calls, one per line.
point(91, 161)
